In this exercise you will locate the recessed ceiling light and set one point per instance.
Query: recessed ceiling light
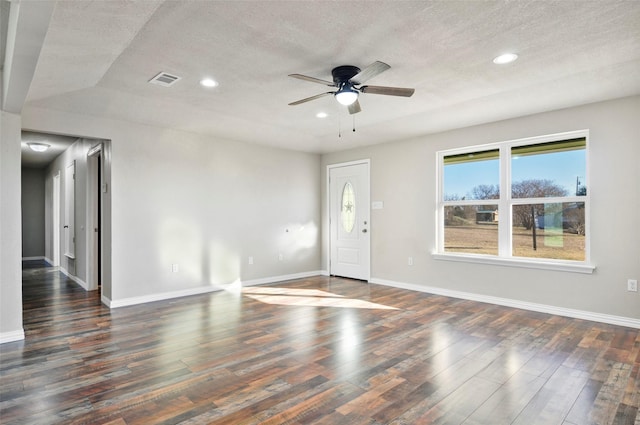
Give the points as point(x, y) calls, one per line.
point(38, 147)
point(506, 58)
point(321, 115)
point(208, 82)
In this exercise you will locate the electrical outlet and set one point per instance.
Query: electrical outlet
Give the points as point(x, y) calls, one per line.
point(280, 257)
point(632, 285)
point(174, 268)
point(410, 261)
point(250, 260)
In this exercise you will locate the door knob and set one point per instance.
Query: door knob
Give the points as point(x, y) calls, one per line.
point(364, 230)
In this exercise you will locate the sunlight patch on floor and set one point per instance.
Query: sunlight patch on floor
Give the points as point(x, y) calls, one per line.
point(308, 298)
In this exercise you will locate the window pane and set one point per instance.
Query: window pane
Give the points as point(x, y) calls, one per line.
point(471, 176)
point(471, 229)
point(554, 231)
point(549, 169)
point(348, 212)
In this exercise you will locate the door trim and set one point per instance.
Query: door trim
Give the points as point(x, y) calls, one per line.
point(328, 207)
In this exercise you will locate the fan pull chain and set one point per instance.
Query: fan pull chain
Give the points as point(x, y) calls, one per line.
point(354, 123)
point(339, 126)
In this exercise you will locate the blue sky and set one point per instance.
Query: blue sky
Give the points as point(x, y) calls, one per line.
point(561, 167)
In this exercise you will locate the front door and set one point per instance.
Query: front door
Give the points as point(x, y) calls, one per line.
point(349, 220)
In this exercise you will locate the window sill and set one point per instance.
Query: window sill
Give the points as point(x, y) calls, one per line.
point(563, 266)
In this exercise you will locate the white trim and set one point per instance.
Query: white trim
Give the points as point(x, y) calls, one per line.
point(524, 305)
point(48, 261)
point(76, 279)
point(11, 336)
point(274, 279)
point(41, 257)
point(160, 297)
point(200, 290)
point(557, 265)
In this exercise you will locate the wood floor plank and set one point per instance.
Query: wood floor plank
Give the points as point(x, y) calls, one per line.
point(321, 350)
point(554, 400)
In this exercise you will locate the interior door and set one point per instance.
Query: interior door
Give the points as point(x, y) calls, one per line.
point(56, 220)
point(69, 211)
point(93, 217)
point(349, 221)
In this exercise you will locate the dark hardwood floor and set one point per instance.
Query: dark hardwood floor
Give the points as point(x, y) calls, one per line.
point(311, 351)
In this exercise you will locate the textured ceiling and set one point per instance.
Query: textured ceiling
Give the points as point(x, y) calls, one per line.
point(98, 56)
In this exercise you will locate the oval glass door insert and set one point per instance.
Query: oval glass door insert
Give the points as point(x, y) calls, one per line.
point(348, 213)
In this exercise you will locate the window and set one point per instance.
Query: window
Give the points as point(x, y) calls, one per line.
point(348, 208)
point(523, 200)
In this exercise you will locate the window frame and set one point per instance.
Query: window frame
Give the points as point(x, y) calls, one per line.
point(505, 205)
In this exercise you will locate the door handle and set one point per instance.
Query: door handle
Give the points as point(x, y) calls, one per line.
point(66, 227)
point(364, 230)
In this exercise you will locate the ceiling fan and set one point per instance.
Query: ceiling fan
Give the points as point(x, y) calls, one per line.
point(347, 78)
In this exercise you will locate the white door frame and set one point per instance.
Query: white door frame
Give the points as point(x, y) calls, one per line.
point(55, 216)
point(328, 209)
point(93, 192)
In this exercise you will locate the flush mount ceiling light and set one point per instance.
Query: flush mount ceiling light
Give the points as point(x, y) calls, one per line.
point(505, 58)
point(208, 82)
point(38, 147)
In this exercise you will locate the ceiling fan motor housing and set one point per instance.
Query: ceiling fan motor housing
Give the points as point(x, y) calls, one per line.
point(344, 73)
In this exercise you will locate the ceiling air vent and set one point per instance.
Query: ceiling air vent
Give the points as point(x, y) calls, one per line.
point(164, 79)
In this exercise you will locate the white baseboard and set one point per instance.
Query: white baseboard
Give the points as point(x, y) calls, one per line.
point(159, 297)
point(200, 290)
point(282, 278)
point(76, 279)
point(541, 308)
point(11, 336)
point(48, 261)
point(33, 258)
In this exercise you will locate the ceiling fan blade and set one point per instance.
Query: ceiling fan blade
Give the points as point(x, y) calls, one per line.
point(389, 91)
point(313, 80)
point(369, 72)
point(354, 108)
point(318, 96)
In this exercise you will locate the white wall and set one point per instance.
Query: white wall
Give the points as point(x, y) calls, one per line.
point(33, 197)
point(199, 202)
point(10, 248)
point(403, 177)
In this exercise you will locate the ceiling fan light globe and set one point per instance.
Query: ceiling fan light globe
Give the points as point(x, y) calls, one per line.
point(346, 97)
